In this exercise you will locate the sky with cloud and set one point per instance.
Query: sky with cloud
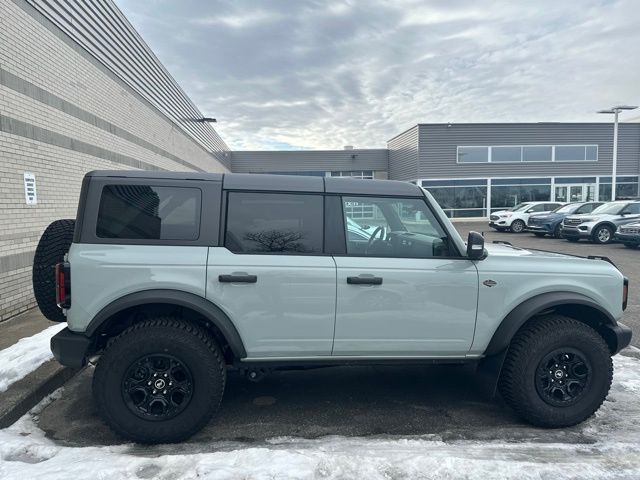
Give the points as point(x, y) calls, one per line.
point(321, 74)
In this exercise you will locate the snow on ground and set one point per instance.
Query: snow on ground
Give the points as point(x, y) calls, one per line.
point(24, 357)
point(611, 451)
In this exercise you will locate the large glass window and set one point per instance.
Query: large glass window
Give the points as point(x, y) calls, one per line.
point(398, 228)
point(362, 174)
point(506, 154)
point(149, 213)
point(460, 198)
point(537, 154)
point(473, 154)
point(575, 153)
point(506, 193)
point(626, 187)
point(274, 223)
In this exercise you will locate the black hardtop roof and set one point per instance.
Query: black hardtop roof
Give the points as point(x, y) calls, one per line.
point(281, 183)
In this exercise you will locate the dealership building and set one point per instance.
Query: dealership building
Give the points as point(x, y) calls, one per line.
point(80, 90)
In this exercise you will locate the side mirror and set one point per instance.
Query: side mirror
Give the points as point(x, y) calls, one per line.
point(475, 246)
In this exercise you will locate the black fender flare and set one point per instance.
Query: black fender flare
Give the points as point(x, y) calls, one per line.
point(532, 307)
point(199, 304)
point(490, 366)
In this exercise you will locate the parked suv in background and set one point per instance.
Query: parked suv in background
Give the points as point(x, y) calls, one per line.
point(629, 234)
point(541, 224)
point(171, 279)
point(515, 218)
point(601, 224)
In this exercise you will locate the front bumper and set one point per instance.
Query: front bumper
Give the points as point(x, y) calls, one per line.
point(540, 228)
point(501, 223)
point(627, 237)
point(576, 232)
point(71, 349)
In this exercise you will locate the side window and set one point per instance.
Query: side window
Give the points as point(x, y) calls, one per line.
point(274, 223)
point(536, 208)
point(632, 208)
point(551, 206)
point(393, 227)
point(146, 212)
point(587, 208)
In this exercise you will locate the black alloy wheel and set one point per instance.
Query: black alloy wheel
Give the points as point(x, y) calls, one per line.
point(563, 376)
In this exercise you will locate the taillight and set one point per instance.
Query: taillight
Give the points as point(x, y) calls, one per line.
point(63, 284)
point(625, 293)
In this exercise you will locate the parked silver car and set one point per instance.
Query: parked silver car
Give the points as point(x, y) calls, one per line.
point(600, 225)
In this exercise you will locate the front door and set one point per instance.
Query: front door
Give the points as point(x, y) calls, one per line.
point(271, 277)
point(575, 193)
point(402, 288)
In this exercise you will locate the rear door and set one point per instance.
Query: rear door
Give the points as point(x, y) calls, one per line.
point(271, 276)
point(404, 290)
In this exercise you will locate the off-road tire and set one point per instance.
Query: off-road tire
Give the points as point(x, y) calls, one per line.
point(52, 247)
point(597, 237)
point(539, 234)
point(518, 226)
point(530, 346)
point(185, 341)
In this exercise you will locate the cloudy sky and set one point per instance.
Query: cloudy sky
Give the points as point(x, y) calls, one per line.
point(316, 74)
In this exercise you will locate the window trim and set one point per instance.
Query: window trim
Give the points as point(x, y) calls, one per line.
point(553, 154)
point(225, 220)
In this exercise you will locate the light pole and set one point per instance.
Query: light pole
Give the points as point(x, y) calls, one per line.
point(615, 111)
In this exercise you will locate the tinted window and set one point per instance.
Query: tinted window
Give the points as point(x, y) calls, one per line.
point(506, 154)
point(537, 208)
point(587, 208)
point(393, 227)
point(536, 154)
point(473, 154)
point(149, 213)
point(274, 223)
point(633, 208)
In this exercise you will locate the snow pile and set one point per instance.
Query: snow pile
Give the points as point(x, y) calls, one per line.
point(610, 449)
point(24, 357)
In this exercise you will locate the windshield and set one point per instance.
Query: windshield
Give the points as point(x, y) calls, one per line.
point(566, 208)
point(518, 207)
point(610, 208)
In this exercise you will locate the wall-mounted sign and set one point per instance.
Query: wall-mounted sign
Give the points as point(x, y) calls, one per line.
point(30, 195)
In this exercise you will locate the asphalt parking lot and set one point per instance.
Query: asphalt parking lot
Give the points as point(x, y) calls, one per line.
point(351, 401)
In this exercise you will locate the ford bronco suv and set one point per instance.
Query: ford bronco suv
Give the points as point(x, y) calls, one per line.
point(169, 280)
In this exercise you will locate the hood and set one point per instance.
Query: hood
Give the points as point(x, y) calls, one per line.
point(545, 216)
point(592, 217)
point(503, 250)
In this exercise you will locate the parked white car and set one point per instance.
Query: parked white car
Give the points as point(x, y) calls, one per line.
point(515, 218)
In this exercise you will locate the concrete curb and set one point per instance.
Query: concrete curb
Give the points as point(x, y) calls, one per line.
point(26, 393)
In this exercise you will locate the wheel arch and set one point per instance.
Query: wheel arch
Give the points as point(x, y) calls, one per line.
point(571, 304)
point(135, 307)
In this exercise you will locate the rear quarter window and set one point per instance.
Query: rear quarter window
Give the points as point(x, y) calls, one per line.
point(147, 212)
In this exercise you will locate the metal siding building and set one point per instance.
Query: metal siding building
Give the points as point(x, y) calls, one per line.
point(80, 91)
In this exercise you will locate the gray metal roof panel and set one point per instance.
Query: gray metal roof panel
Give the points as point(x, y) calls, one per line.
point(282, 183)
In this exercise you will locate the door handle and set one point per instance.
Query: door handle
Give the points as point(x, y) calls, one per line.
point(238, 278)
point(361, 280)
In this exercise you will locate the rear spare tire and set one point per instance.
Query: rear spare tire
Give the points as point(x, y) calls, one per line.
point(52, 247)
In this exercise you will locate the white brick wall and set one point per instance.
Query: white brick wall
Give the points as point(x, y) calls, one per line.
point(30, 51)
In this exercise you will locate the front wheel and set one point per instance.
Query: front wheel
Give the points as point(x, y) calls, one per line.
point(602, 235)
point(557, 372)
point(557, 232)
point(159, 381)
point(517, 226)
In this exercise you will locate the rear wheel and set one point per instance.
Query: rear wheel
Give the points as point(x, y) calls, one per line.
point(159, 381)
point(52, 247)
point(557, 372)
point(602, 234)
point(517, 226)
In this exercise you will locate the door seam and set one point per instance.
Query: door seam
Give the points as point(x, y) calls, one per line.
point(335, 306)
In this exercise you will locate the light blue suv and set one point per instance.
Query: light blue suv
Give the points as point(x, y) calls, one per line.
point(167, 280)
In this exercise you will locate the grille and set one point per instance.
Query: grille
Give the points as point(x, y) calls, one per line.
point(535, 221)
point(494, 217)
point(629, 229)
point(572, 221)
